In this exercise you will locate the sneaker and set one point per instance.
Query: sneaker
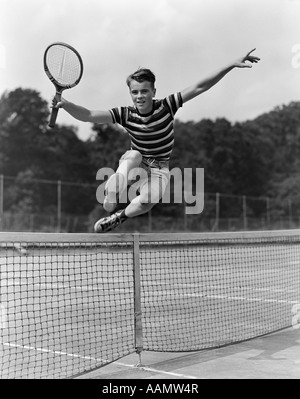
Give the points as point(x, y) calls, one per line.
point(109, 222)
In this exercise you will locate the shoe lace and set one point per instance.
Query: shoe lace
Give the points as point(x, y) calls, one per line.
point(115, 218)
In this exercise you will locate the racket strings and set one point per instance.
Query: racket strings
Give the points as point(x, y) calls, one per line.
point(64, 65)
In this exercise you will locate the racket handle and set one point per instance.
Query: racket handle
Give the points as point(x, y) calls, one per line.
point(53, 117)
point(54, 110)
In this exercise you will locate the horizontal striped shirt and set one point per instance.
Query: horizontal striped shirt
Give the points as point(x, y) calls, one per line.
point(152, 134)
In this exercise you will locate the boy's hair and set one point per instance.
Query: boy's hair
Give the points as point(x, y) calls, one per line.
point(141, 75)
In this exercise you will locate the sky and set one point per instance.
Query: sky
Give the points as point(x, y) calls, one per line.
point(182, 41)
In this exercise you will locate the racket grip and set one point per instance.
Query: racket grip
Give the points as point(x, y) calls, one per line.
point(53, 117)
point(55, 110)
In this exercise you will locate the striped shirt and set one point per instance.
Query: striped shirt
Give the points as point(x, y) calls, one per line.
point(152, 134)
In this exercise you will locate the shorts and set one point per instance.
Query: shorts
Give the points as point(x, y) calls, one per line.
point(154, 179)
point(153, 188)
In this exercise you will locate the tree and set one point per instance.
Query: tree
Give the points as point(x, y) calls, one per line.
point(23, 117)
point(29, 151)
point(106, 146)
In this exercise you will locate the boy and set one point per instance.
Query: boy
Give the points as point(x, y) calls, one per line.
point(149, 123)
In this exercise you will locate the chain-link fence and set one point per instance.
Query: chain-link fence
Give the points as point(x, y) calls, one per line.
point(28, 204)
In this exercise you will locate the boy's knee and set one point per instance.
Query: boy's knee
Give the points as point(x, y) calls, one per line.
point(115, 183)
point(149, 197)
point(146, 206)
point(133, 156)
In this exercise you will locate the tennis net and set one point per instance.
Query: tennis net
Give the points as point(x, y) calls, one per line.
point(71, 303)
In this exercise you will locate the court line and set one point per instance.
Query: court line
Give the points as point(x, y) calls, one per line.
point(194, 295)
point(15, 282)
point(228, 297)
point(241, 298)
point(33, 348)
point(153, 370)
point(150, 369)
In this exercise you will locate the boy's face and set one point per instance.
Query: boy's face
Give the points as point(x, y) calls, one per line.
point(142, 94)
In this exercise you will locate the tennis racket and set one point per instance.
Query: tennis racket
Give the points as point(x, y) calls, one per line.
point(63, 66)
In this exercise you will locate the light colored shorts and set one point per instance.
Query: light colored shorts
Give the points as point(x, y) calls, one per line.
point(154, 179)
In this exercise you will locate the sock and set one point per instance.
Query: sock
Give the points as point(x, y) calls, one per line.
point(122, 215)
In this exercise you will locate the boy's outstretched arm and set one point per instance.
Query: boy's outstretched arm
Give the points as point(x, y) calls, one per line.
point(81, 113)
point(208, 82)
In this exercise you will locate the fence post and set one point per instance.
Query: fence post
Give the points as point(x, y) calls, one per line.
point(1, 202)
point(245, 212)
point(217, 211)
point(290, 213)
point(185, 221)
point(149, 221)
point(268, 212)
point(59, 206)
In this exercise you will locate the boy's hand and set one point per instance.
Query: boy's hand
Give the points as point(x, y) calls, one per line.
point(56, 103)
point(241, 63)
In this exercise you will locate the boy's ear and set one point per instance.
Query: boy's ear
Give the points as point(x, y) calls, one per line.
point(154, 91)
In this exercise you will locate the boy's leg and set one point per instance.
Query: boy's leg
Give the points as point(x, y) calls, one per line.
point(117, 183)
point(151, 191)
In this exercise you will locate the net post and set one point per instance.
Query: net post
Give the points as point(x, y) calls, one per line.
point(138, 330)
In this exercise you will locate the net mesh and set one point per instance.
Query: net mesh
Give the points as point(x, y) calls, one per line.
point(65, 309)
point(63, 64)
point(214, 293)
point(69, 302)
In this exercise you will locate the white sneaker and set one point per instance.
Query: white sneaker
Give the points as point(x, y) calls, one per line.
point(109, 222)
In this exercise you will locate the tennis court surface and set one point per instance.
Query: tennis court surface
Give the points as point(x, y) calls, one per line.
point(274, 356)
point(92, 306)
